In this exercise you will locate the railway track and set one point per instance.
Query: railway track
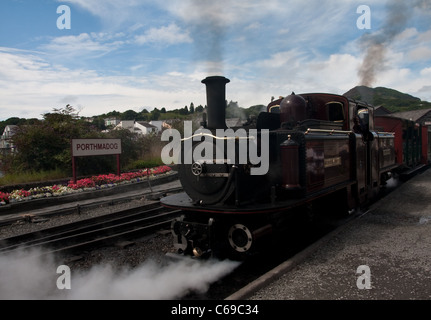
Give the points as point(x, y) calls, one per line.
point(60, 209)
point(88, 233)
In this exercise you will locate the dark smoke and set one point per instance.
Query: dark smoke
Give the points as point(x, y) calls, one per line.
point(375, 44)
point(211, 31)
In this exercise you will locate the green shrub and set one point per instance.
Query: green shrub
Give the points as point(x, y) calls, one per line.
point(142, 164)
point(26, 177)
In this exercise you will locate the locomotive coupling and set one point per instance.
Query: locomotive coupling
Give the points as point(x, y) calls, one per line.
point(192, 238)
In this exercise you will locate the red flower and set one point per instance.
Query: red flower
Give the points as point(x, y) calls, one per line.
point(4, 197)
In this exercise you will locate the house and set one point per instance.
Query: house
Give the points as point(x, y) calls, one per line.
point(126, 124)
point(142, 127)
point(138, 127)
point(6, 144)
point(158, 124)
point(111, 122)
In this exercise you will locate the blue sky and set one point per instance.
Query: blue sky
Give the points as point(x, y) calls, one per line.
point(135, 54)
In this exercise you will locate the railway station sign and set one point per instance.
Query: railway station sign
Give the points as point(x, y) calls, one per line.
point(95, 147)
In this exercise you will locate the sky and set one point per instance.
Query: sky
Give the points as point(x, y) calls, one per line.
point(106, 55)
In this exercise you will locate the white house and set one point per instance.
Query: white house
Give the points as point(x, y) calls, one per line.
point(138, 127)
point(6, 144)
point(158, 124)
point(126, 124)
point(144, 128)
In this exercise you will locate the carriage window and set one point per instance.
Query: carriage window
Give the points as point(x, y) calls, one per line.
point(335, 111)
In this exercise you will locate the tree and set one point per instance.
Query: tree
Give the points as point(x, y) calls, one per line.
point(184, 111)
point(129, 115)
point(45, 145)
point(99, 123)
point(155, 115)
point(113, 114)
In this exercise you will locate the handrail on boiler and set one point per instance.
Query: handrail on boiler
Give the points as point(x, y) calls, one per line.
point(330, 131)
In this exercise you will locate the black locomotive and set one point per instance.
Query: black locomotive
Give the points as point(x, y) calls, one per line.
point(304, 150)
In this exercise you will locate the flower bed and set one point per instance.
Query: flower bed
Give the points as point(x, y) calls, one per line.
point(94, 183)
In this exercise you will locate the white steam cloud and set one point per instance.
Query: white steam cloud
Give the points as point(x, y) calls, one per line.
point(26, 276)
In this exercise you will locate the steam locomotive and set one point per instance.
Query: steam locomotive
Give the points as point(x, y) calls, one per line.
point(318, 148)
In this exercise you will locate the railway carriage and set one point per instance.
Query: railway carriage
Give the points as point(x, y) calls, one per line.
point(411, 143)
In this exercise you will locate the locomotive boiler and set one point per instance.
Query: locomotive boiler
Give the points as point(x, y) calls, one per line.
point(241, 184)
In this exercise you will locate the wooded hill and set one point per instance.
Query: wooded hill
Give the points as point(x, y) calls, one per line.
point(391, 99)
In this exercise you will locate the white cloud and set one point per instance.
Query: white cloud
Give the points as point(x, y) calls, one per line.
point(408, 33)
point(30, 86)
point(84, 44)
point(112, 13)
point(291, 71)
point(424, 93)
point(168, 35)
point(422, 53)
point(426, 72)
point(415, 44)
point(289, 58)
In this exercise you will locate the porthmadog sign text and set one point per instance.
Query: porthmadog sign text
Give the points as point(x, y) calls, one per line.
point(95, 147)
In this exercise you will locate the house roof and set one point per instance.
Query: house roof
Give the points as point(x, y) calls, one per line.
point(146, 124)
point(414, 115)
point(9, 128)
point(381, 110)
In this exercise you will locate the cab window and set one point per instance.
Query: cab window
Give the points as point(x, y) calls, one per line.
point(335, 111)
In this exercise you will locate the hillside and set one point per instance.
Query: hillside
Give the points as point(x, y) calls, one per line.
point(391, 99)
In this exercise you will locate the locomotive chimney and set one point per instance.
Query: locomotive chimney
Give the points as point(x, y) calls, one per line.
point(216, 101)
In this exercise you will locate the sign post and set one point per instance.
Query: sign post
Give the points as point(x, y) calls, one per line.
point(95, 147)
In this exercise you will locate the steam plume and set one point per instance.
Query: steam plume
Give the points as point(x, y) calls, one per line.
point(28, 276)
point(375, 44)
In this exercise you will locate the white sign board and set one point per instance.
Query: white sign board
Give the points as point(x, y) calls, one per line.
point(95, 147)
